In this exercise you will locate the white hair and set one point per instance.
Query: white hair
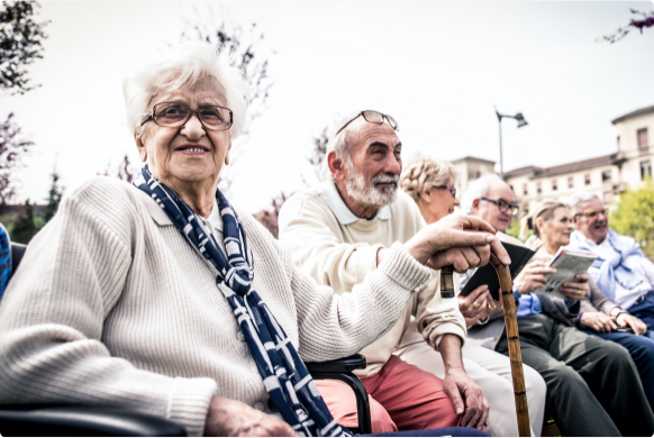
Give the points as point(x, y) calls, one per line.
point(183, 66)
point(581, 198)
point(478, 188)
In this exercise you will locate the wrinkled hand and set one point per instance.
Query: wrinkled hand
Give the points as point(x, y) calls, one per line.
point(625, 319)
point(469, 401)
point(229, 417)
point(533, 276)
point(577, 289)
point(598, 321)
point(461, 241)
point(476, 306)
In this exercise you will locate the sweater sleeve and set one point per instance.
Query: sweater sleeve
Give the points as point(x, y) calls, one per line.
point(336, 325)
point(311, 232)
point(437, 316)
point(52, 318)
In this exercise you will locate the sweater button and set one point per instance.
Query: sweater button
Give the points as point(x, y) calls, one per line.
point(240, 337)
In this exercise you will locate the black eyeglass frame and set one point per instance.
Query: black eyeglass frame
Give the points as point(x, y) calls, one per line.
point(152, 116)
point(389, 119)
point(503, 205)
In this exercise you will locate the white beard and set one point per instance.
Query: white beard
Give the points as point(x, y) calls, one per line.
point(357, 188)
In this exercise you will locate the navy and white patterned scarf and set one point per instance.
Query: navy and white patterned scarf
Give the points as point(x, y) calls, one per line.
point(285, 376)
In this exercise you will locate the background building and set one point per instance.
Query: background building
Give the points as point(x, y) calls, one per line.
point(605, 175)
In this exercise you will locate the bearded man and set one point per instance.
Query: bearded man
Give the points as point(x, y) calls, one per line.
point(339, 232)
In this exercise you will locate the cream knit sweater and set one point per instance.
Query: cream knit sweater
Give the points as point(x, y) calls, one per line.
point(111, 306)
point(338, 249)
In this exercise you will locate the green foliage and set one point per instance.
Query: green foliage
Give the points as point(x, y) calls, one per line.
point(514, 228)
point(27, 225)
point(54, 196)
point(635, 216)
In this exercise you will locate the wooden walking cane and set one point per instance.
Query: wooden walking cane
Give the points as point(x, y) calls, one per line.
point(511, 323)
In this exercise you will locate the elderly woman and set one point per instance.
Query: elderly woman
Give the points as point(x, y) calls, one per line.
point(431, 184)
point(593, 385)
point(552, 225)
point(160, 298)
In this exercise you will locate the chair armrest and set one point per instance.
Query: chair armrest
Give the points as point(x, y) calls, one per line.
point(341, 369)
point(70, 420)
point(342, 365)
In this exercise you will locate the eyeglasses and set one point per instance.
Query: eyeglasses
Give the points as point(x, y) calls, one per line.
point(372, 116)
point(176, 114)
point(592, 214)
point(510, 207)
point(450, 189)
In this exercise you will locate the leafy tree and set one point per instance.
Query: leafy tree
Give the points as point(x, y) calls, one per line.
point(268, 216)
point(27, 224)
point(642, 20)
point(12, 150)
point(21, 43)
point(244, 49)
point(635, 216)
point(318, 154)
point(55, 194)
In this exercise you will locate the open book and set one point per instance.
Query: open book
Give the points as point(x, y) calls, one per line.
point(567, 263)
point(520, 255)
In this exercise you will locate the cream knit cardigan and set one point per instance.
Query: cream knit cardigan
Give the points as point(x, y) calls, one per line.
point(111, 306)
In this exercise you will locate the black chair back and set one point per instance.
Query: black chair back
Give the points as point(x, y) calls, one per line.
point(17, 251)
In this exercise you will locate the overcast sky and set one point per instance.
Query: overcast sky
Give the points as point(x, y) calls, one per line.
point(439, 67)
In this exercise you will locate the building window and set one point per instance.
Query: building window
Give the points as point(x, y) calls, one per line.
point(555, 185)
point(606, 175)
point(645, 169)
point(587, 179)
point(525, 189)
point(643, 138)
point(539, 188)
point(571, 182)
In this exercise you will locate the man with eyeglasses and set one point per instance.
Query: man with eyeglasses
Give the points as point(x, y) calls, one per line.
point(339, 232)
point(622, 272)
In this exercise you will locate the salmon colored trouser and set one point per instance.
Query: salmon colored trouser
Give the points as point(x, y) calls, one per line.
point(402, 397)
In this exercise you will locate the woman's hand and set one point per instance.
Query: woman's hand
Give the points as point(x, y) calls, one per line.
point(460, 241)
point(476, 306)
point(598, 321)
point(533, 276)
point(577, 289)
point(229, 417)
point(625, 320)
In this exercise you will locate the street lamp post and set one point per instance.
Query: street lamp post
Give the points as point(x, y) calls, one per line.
point(518, 117)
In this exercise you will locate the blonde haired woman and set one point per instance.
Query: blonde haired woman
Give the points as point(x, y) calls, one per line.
point(431, 184)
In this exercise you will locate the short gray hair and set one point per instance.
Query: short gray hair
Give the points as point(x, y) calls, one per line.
point(183, 66)
point(578, 199)
point(478, 188)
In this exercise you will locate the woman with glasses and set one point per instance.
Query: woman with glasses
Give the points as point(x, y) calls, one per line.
point(553, 224)
point(431, 185)
point(160, 298)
